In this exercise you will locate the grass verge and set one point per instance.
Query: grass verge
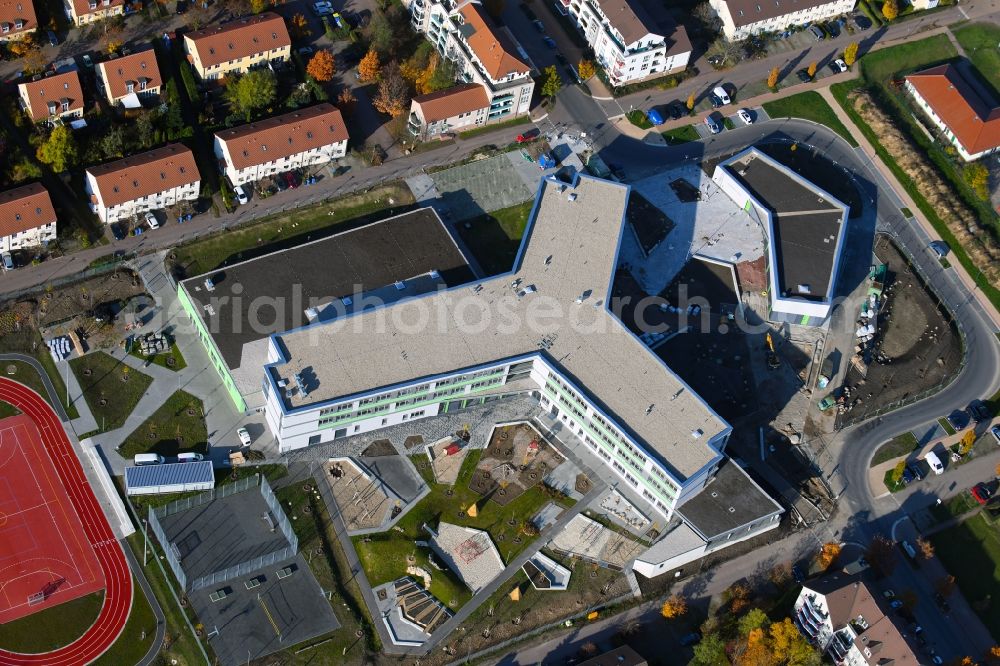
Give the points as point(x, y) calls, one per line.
point(136, 637)
point(111, 388)
point(27, 375)
point(811, 106)
point(896, 447)
point(177, 426)
point(893, 486)
point(943, 422)
point(523, 120)
point(682, 134)
point(979, 40)
point(494, 238)
point(970, 551)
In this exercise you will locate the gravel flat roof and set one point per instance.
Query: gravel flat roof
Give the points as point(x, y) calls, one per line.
point(729, 501)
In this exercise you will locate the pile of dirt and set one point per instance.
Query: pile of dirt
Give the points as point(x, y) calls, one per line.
point(961, 220)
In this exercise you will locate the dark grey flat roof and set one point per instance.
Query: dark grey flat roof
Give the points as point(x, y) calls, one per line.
point(730, 501)
point(806, 223)
point(358, 260)
point(295, 604)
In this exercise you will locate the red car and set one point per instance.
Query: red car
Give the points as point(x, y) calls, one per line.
point(981, 492)
point(292, 179)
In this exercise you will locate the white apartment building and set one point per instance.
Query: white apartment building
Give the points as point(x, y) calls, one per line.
point(460, 108)
point(742, 18)
point(147, 181)
point(238, 46)
point(841, 616)
point(483, 53)
point(302, 138)
point(27, 218)
point(627, 41)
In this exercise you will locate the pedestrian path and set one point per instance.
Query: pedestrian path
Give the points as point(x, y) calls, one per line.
point(85, 422)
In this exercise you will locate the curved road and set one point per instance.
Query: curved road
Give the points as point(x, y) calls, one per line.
point(118, 579)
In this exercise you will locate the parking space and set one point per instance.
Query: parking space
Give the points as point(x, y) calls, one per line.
point(531, 25)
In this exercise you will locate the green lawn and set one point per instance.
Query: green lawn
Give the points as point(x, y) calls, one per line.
point(111, 388)
point(682, 134)
point(970, 551)
point(27, 375)
point(286, 230)
point(494, 238)
point(943, 422)
point(53, 627)
point(161, 359)
point(889, 484)
point(811, 106)
point(177, 426)
point(900, 445)
point(523, 120)
point(980, 42)
point(131, 647)
point(384, 557)
point(7, 409)
point(881, 66)
point(638, 118)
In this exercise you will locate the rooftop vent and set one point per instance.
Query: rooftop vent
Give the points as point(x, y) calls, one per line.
point(571, 197)
point(312, 313)
point(400, 286)
point(347, 300)
point(803, 289)
point(209, 285)
point(697, 433)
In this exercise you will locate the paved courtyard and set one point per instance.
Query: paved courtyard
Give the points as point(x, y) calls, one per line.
point(589, 540)
point(364, 500)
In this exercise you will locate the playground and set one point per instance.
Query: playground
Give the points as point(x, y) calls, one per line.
point(516, 459)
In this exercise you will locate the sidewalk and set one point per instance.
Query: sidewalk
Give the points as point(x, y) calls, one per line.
point(868, 151)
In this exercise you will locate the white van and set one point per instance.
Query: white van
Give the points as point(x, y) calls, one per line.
point(934, 462)
point(721, 93)
point(189, 457)
point(148, 459)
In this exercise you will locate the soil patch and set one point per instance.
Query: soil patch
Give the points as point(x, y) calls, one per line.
point(516, 459)
point(378, 448)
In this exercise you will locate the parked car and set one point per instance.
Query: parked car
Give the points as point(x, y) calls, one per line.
point(189, 456)
point(896, 604)
point(244, 436)
point(995, 431)
point(721, 93)
point(942, 602)
point(539, 26)
point(934, 462)
point(745, 116)
point(322, 8)
point(88, 62)
point(182, 6)
point(907, 477)
point(833, 28)
point(8, 261)
point(715, 100)
point(797, 573)
point(241, 194)
point(306, 51)
point(918, 474)
point(979, 411)
point(151, 220)
point(959, 419)
point(654, 117)
point(279, 183)
point(53, 40)
point(549, 42)
point(981, 492)
point(817, 32)
point(803, 75)
point(690, 639)
point(838, 66)
point(676, 110)
point(861, 22)
point(116, 231)
point(291, 178)
point(940, 248)
point(889, 594)
point(713, 126)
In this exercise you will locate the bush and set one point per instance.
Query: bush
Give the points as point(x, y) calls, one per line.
point(638, 118)
point(187, 75)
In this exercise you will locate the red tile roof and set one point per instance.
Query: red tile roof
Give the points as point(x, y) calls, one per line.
point(452, 102)
point(492, 46)
point(14, 10)
point(973, 120)
point(118, 72)
point(82, 7)
point(25, 208)
point(283, 136)
point(53, 89)
point(239, 39)
point(144, 174)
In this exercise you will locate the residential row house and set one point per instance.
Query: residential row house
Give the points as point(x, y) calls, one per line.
point(484, 54)
point(84, 12)
point(460, 108)
point(17, 19)
point(27, 218)
point(52, 96)
point(743, 18)
point(628, 41)
point(302, 138)
point(844, 619)
point(238, 46)
point(959, 108)
point(147, 181)
point(128, 79)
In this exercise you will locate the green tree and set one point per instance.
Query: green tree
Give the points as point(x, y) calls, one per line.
point(897, 472)
point(890, 9)
point(755, 619)
point(113, 143)
point(381, 37)
point(443, 77)
point(978, 178)
point(710, 651)
point(851, 54)
point(251, 92)
point(59, 151)
point(551, 84)
point(145, 127)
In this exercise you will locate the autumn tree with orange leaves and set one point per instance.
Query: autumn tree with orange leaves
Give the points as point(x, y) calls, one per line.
point(321, 66)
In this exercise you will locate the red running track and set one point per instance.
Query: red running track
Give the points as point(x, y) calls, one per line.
point(118, 592)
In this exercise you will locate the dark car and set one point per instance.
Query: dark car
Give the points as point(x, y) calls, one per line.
point(862, 22)
point(959, 419)
point(549, 42)
point(908, 476)
point(803, 75)
point(941, 602)
point(675, 110)
point(280, 183)
point(715, 100)
point(182, 6)
point(690, 639)
point(833, 28)
point(116, 231)
point(915, 470)
point(797, 574)
point(979, 411)
point(53, 40)
point(561, 59)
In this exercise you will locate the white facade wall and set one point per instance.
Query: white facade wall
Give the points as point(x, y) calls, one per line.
point(929, 112)
point(419, 126)
point(29, 238)
point(778, 23)
point(624, 63)
point(628, 460)
point(188, 192)
point(252, 174)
